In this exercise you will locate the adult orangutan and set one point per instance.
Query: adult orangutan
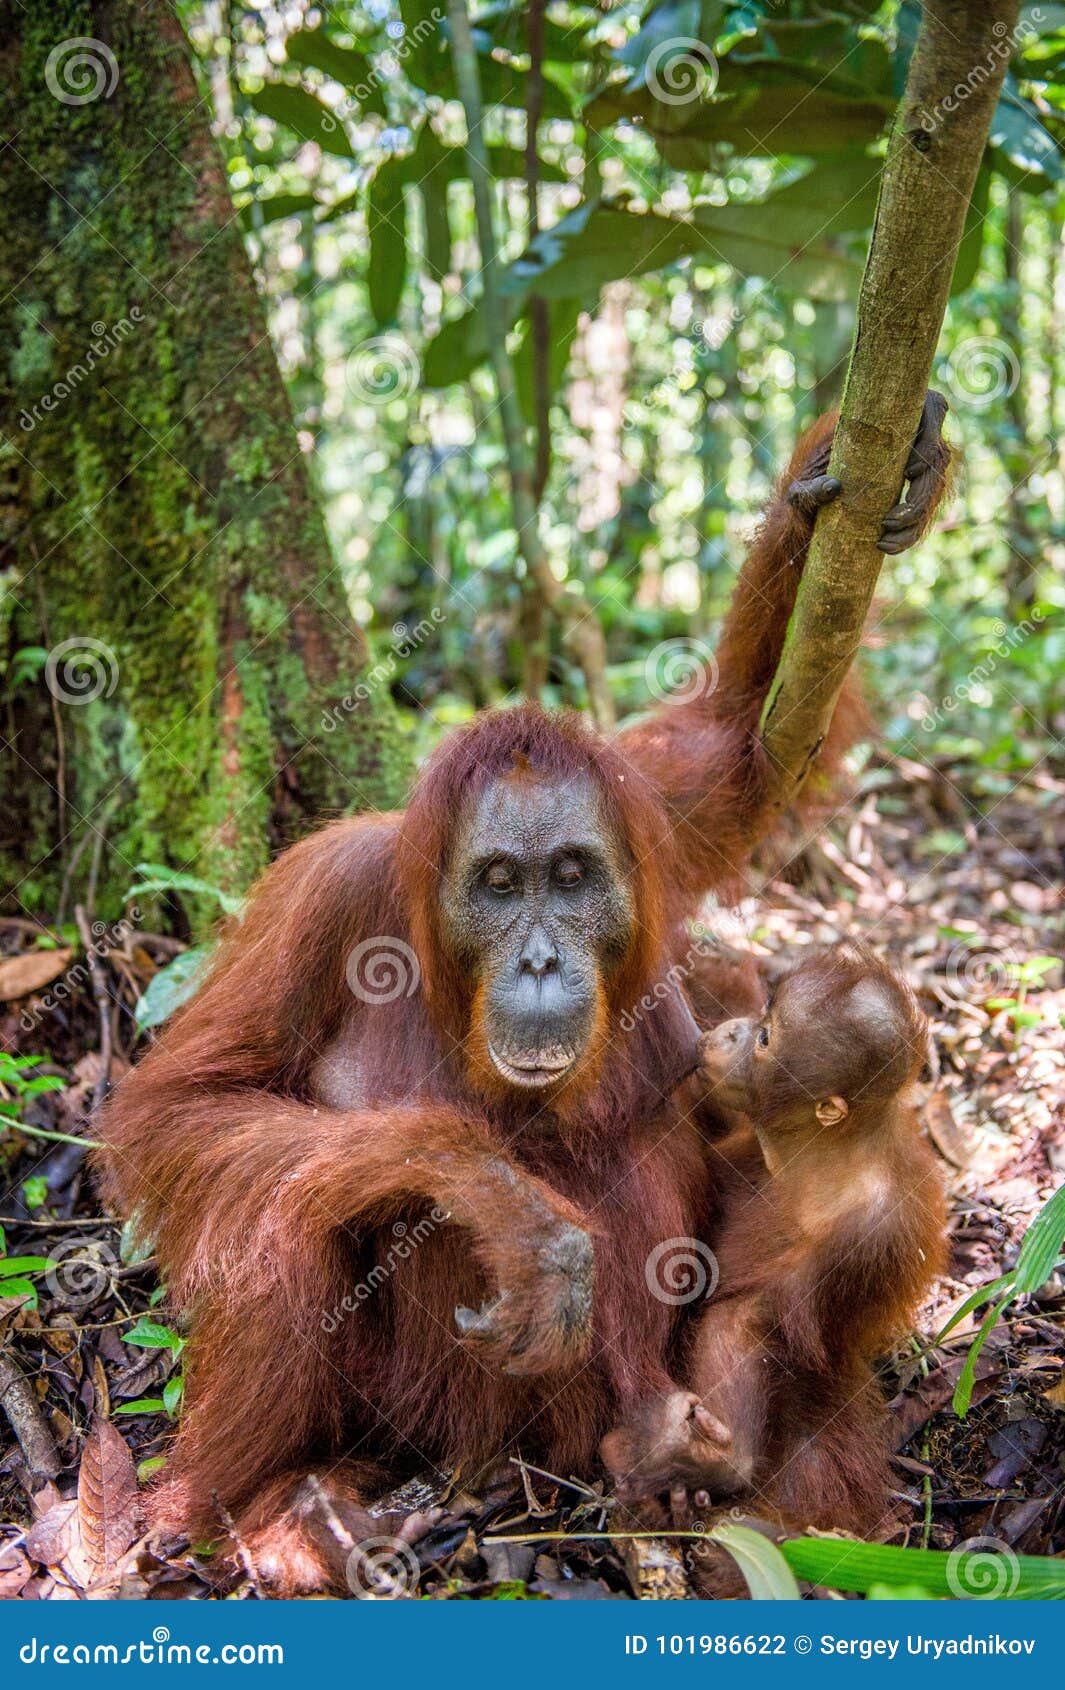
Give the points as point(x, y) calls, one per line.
point(293, 1116)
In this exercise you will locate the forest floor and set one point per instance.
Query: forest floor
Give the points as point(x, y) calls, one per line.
point(966, 899)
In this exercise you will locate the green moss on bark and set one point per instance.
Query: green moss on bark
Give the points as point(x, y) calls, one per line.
point(158, 501)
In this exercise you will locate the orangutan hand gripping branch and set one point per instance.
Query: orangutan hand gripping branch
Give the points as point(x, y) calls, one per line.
point(292, 1114)
point(834, 1232)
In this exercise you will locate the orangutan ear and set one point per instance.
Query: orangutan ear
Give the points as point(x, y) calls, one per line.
point(831, 1110)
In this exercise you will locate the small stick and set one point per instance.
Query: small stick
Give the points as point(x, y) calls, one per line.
point(27, 1422)
point(103, 1007)
point(243, 1552)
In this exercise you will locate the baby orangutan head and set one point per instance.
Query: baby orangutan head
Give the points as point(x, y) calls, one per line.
point(842, 1032)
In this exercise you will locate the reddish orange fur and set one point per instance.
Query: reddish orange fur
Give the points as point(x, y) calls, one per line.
point(818, 1274)
point(267, 1208)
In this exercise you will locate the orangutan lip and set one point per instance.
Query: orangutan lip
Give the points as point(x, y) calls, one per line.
point(541, 1070)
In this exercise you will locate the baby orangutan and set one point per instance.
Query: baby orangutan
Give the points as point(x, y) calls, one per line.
point(833, 1232)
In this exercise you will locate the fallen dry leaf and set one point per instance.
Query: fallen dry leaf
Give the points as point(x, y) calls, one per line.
point(51, 1538)
point(108, 1504)
point(21, 975)
point(944, 1130)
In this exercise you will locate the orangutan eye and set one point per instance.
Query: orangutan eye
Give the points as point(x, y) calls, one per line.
point(569, 872)
point(762, 1037)
point(499, 878)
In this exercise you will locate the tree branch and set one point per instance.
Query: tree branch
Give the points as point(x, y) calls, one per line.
point(934, 152)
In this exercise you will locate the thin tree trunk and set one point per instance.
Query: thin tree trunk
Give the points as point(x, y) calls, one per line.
point(934, 152)
point(533, 635)
point(581, 630)
point(159, 512)
point(1023, 543)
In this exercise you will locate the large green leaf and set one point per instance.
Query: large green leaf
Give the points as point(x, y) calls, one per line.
point(667, 33)
point(386, 226)
point(1021, 142)
point(345, 65)
point(305, 114)
point(172, 986)
point(972, 240)
point(275, 207)
point(598, 243)
point(840, 1564)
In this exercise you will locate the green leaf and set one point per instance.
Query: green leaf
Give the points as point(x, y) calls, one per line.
point(173, 1391)
point(386, 226)
point(842, 1565)
point(757, 118)
point(437, 230)
point(276, 207)
point(157, 877)
point(1023, 145)
point(150, 1335)
point(304, 113)
point(145, 1469)
point(972, 240)
point(673, 23)
point(172, 986)
point(143, 1405)
point(983, 1295)
point(345, 65)
point(768, 1576)
point(19, 1288)
point(597, 243)
point(24, 1264)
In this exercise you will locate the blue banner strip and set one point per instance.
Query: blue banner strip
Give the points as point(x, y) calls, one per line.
point(538, 1644)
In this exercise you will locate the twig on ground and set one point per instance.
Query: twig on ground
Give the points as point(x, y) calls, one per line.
point(27, 1421)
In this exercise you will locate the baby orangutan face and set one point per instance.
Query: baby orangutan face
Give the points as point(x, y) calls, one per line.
point(842, 1030)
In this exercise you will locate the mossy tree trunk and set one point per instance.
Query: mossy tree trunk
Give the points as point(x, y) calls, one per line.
point(157, 508)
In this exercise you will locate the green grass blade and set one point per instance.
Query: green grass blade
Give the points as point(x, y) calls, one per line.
point(1041, 1244)
point(963, 1390)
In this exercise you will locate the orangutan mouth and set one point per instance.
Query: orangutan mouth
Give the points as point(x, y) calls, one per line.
point(533, 1068)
